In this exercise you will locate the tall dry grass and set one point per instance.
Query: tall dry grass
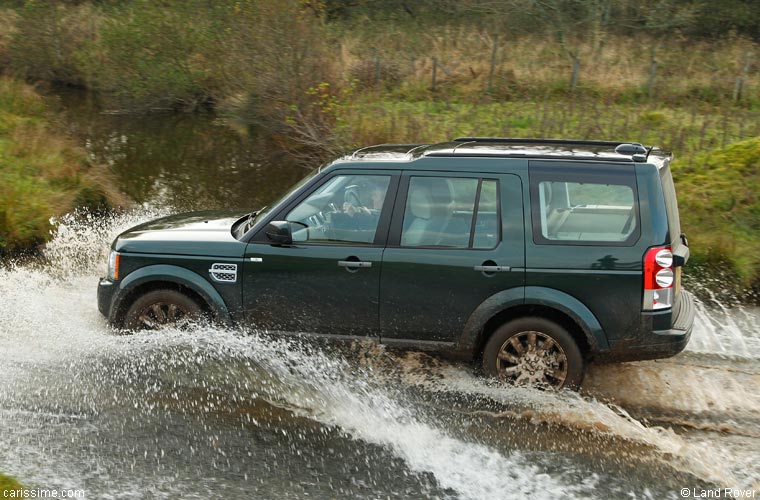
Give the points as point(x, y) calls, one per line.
point(534, 66)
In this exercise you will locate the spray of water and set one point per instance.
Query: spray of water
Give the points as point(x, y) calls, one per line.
point(50, 329)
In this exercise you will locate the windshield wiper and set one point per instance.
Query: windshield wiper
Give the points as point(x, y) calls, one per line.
point(251, 219)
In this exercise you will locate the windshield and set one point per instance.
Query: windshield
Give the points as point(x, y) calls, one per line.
point(258, 214)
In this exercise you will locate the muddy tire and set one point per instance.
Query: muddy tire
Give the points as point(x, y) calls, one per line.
point(160, 308)
point(534, 352)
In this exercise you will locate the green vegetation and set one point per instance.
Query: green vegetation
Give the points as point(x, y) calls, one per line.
point(258, 58)
point(8, 484)
point(719, 196)
point(41, 173)
point(330, 75)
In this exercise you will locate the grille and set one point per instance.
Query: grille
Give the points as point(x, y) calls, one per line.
point(223, 273)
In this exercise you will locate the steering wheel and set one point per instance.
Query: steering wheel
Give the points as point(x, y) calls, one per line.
point(351, 196)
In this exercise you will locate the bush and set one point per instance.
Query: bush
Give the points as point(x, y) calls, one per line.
point(49, 40)
point(157, 55)
point(42, 175)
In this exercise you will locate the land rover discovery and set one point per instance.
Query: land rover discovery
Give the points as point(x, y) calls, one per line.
point(530, 257)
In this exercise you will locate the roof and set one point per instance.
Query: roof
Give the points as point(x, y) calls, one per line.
point(516, 148)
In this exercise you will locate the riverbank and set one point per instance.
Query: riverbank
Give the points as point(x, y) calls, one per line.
point(43, 173)
point(720, 208)
point(8, 486)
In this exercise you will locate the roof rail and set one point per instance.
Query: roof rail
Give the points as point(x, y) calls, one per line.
point(487, 140)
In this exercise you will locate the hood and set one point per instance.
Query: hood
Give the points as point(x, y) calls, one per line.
point(194, 233)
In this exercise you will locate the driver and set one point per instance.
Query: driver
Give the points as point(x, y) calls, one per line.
point(377, 196)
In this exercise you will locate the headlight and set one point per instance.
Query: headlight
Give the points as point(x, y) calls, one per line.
point(113, 265)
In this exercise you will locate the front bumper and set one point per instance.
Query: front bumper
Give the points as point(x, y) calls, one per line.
point(106, 291)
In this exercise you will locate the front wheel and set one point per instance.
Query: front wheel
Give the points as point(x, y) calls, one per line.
point(160, 308)
point(534, 352)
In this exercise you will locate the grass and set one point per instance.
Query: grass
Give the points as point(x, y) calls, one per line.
point(42, 174)
point(719, 196)
point(687, 131)
point(8, 485)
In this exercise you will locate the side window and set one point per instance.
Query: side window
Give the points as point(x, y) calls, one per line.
point(585, 212)
point(451, 212)
point(343, 210)
point(487, 220)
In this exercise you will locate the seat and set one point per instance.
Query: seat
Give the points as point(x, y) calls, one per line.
point(554, 217)
point(430, 207)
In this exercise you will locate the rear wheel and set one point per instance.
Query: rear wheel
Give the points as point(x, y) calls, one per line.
point(534, 352)
point(160, 308)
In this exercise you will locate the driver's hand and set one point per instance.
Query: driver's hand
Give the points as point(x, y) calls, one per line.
point(351, 209)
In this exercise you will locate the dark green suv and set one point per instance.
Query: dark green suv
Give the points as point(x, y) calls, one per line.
point(532, 256)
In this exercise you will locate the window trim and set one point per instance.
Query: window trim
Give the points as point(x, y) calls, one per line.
point(383, 225)
point(498, 214)
point(397, 224)
point(618, 178)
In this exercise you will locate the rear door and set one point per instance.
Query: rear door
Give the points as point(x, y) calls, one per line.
point(456, 239)
point(678, 240)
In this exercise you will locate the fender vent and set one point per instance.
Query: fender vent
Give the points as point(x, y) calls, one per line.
point(223, 273)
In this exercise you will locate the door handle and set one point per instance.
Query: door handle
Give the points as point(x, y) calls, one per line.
point(492, 269)
point(355, 264)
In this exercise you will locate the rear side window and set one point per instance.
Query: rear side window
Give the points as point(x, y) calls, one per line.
point(596, 209)
point(451, 212)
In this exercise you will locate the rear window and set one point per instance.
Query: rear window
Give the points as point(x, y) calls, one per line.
point(584, 208)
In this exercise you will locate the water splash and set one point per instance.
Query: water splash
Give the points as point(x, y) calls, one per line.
point(71, 374)
point(733, 332)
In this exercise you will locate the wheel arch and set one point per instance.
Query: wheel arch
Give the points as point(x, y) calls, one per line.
point(168, 277)
point(554, 305)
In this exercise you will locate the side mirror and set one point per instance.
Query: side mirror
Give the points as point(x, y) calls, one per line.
point(278, 233)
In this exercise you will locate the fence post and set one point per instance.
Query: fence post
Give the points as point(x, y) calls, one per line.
point(739, 85)
point(576, 70)
point(493, 63)
point(435, 71)
point(652, 73)
point(376, 60)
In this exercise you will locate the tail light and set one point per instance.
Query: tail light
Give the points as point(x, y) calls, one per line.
point(659, 278)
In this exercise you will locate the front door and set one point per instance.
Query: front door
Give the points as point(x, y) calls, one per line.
point(457, 240)
point(328, 280)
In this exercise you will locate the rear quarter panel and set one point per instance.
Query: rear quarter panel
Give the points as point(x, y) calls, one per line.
point(606, 279)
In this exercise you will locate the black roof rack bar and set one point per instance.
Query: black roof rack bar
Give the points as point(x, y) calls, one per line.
point(411, 151)
point(413, 146)
point(447, 154)
point(492, 140)
point(462, 143)
point(353, 155)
